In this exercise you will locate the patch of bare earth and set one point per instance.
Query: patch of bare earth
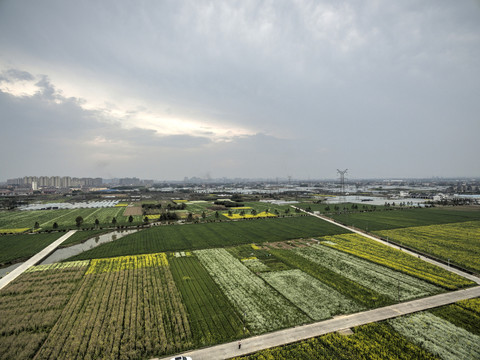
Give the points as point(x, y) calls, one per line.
point(132, 210)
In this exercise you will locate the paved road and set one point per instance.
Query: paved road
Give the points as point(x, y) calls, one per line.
point(427, 259)
point(35, 259)
point(282, 337)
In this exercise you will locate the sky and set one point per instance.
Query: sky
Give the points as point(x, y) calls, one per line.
point(252, 89)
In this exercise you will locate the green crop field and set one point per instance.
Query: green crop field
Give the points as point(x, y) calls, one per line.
point(210, 314)
point(15, 248)
point(455, 241)
point(63, 218)
point(392, 219)
point(332, 208)
point(209, 235)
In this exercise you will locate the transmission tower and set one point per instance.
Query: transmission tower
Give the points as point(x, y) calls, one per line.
point(342, 183)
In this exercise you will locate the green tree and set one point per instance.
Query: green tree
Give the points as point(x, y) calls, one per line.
point(37, 225)
point(97, 222)
point(217, 215)
point(55, 225)
point(230, 213)
point(190, 217)
point(130, 219)
point(79, 221)
point(114, 220)
point(145, 219)
point(204, 215)
point(236, 198)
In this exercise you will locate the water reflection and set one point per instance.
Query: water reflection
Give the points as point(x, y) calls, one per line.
point(65, 253)
point(5, 271)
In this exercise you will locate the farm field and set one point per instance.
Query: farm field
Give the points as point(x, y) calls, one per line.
point(209, 235)
point(15, 248)
point(314, 298)
point(330, 208)
point(143, 306)
point(264, 309)
point(360, 294)
point(393, 219)
point(455, 241)
point(30, 307)
point(395, 259)
point(211, 316)
point(438, 336)
point(464, 314)
point(372, 341)
point(422, 335)
point(63, 218)
point(167, 289)
point(390, 283)
point(126, 307)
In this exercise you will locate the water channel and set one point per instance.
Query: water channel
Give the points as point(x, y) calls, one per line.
point(64, 253)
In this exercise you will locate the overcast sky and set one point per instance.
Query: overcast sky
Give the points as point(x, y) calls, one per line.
point(264, 89)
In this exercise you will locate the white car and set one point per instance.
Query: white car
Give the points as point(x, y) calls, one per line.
point(181, 358)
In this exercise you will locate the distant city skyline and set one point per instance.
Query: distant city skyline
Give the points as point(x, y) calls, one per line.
point(250, 89)
point(67, 181)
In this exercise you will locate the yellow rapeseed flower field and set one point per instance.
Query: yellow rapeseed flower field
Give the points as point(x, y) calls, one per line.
point(13, 231)
point(127, 263)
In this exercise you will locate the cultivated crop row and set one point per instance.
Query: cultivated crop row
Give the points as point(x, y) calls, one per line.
point(264, 308)
point(120, 312)
point(210, 235)
point(30, 306)
point(395, 259)
point(393, 284)
point(63, 217)
point(361, 294)
point(385, 220)
point(211, 316)
point(438, 336)
point(313, 297)
point(457, 241)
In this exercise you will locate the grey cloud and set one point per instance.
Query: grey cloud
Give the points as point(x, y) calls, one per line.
point(337, 83)
point(15, 74)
